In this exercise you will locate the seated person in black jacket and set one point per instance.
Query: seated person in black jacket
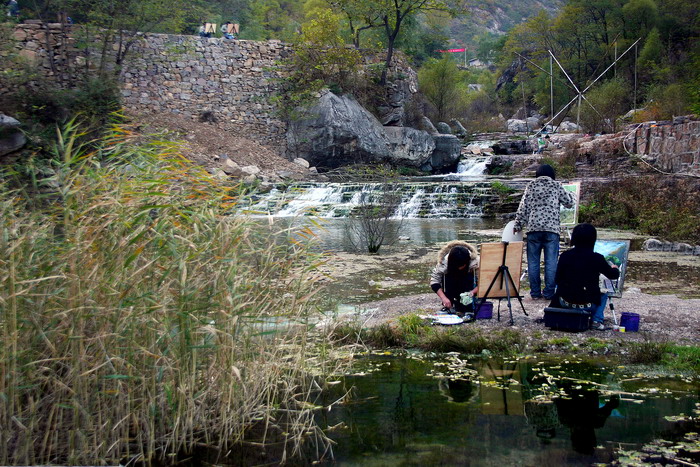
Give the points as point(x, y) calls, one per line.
point(577, 276)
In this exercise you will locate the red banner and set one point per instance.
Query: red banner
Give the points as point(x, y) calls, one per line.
point(453, 50)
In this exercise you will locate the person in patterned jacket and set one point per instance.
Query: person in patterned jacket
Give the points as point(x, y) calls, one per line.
point(539, 210)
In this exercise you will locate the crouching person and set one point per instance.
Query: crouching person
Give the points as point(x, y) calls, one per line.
point(454, 274)
point(577, 276)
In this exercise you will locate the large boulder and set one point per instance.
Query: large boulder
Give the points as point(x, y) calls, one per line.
point(516, 126)
point(530, 124)
point(568, 127)
point(410, 147)
point(426, 125)
point(443, 128)
point(446, 154)
point(11, 137)
point(458, 129)
point(337, 131)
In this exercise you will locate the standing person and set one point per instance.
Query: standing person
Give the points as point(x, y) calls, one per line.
point(577, 276)
point(454, 274)
point(539, 210)
point(12, 9)
point(541, 144)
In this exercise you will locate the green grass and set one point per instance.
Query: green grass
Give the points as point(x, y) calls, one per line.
point(684, 358)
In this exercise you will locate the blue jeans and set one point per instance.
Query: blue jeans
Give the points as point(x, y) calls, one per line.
point(536, 242)
point(597, 311)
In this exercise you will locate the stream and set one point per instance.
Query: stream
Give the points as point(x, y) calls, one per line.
point(415, 409)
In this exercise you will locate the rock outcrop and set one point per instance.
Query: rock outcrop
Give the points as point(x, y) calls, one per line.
point(410, 147)
point(446, 154)
point(337, 131)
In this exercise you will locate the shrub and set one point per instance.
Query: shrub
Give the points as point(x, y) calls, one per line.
point(662, 206)
point(647, 352)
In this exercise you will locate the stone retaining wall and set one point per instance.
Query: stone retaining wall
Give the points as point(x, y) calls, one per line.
point(670, 146)
point(188, 75)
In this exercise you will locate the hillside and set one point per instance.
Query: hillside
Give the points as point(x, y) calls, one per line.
point(490, 17)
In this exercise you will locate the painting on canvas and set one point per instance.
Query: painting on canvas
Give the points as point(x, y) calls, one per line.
point(569, 216)
point(615, 252)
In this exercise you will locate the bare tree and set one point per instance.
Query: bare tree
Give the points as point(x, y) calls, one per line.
point(376, 220)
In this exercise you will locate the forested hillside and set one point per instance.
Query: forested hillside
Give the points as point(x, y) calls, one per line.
point(657, 42)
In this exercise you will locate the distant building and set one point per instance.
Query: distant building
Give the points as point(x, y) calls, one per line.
point(475, 87)
point(476, 63)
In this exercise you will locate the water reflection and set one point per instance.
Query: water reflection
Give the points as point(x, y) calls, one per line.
point(412, 411)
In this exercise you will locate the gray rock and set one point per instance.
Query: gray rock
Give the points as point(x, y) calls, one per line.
point(683, 248)
point(8, 122)
point(443, 128)
point(409, 146)
point(250, 170)
point(11, 138)
point(337, 131)
point(392, 116)
point(446, 153)
point(301, 162)
point(652, 244)
point(458, 129)
point(427, 125)
point(516, 126)
point(568, 127)
point(534, 122)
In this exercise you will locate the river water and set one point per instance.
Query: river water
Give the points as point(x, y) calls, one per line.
point(414, 409)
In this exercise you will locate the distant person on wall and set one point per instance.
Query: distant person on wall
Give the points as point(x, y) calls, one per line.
point(12, 9)
point(454, 274)
point(578, 273)
point(203, 31)
point(227, 30)
point(539, 210)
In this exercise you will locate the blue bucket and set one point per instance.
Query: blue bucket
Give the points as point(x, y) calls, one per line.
point(630, 321)
point(485, 312)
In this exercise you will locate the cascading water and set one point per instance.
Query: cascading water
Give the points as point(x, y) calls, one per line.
point(412, 200)
point(472, 167)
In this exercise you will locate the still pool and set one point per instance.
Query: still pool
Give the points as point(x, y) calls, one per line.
point(423, 410)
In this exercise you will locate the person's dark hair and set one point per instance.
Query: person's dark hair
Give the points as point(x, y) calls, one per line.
point(584, 236)
point(458, 257)
point(545, 170)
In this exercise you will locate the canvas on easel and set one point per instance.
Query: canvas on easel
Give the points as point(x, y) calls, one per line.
point(615, 252)
point(491, 259)
point(569, 216)
point(210, 28)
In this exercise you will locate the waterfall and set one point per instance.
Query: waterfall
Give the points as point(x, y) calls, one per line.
point(470, 168)
point(413, 200)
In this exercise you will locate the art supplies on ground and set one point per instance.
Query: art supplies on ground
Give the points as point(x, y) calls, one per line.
point(566, 319)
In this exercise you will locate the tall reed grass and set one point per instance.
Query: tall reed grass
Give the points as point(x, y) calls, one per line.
point(140, 318)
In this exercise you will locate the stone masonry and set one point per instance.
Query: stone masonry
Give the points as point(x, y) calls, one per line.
point(188, 75)
point(671, 146)
point(233, 81)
